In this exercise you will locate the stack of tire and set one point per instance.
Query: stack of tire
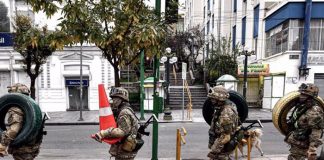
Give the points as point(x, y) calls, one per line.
point(32, 116)
point(235, 98)
point(283, 108)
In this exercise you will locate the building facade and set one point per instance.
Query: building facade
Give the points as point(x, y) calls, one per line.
point(194, 14)
point(274, 30)
point(57, 87)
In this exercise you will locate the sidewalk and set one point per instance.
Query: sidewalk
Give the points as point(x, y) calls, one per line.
point(265, 157)
point(92, 117)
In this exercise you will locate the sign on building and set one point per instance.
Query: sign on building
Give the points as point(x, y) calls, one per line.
point(254, 69)
point(76, 82)
point(6, 39)
point(315, 59)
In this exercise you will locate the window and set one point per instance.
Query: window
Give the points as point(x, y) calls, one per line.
point(256, 22)
point(208, 24)
point(243, 30)
point(277, 39)
point(234, 5)
point(208, 5)
point(255, 45)
point(296, 31)
point(76, 67)
point(213, 22)
point(234, 38)
point(244, 6)
point(289, 36)
point(322, 36)
point(314, 35)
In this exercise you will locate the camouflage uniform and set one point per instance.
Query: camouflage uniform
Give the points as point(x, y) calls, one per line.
point(308, 124)
point(15, 121)
point(223, 125)
point(127, 124)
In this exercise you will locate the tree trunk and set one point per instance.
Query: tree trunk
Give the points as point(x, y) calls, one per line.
point(32, 87)
point(117, 79)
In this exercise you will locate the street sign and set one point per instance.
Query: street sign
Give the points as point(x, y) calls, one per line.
point(184, 70)
point(6, 39)
point(76, 82)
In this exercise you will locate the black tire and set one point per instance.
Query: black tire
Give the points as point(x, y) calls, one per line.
point(283, 108)
point(32, 116)
point(236, 98)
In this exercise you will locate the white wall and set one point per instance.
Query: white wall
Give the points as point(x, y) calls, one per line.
point(56, 97)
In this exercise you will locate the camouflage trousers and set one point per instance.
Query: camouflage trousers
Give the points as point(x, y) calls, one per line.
point(25, 152)
point(119, 154)
point(297, 153)
point(27, 156)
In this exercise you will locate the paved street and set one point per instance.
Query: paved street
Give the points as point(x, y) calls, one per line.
point(73, 142)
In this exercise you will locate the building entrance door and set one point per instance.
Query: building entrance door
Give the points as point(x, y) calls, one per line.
point(319, 82)
point(74, 98)
point(73, 87)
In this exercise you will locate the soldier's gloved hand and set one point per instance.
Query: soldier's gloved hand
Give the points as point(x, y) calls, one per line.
point(3, 150)
point(212, 155)
point(97, 137)
point(311, 154)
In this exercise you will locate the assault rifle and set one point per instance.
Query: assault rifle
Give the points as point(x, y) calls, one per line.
point(42, 132)
point(143, 125)
point(252, 125)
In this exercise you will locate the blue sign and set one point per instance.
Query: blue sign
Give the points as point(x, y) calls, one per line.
point(76, 82)
point(6, 39)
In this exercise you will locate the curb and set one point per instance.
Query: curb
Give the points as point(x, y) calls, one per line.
point(262, 120)
point(70, 123)
point(161, 121)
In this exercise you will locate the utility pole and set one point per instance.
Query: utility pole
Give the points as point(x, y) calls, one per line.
point(81, 85)
point(155, 139)
point(246, 53)
point(142, 96)
point(245, 75)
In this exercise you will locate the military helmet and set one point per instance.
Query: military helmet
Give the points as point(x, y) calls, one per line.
point(219, 93)
point(309, 89)
point(19, 88)
point(119, 92)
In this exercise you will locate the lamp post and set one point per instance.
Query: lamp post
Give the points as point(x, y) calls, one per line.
point(168, 54)
point(168, 59)
point(246, 53)
point(81, 85)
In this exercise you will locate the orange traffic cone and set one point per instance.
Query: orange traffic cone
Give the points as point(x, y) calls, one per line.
point(106, 117)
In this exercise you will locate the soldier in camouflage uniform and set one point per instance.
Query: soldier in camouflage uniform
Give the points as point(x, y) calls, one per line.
point(15, 121)
point(307, 119)
point(223, 125)
point(127, 126)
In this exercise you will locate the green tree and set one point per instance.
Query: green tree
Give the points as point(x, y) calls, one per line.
point(4, 19)
point(119, 28)
point(186, 44)
point(222, 59)
point(35, 45)
point(171, 11)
